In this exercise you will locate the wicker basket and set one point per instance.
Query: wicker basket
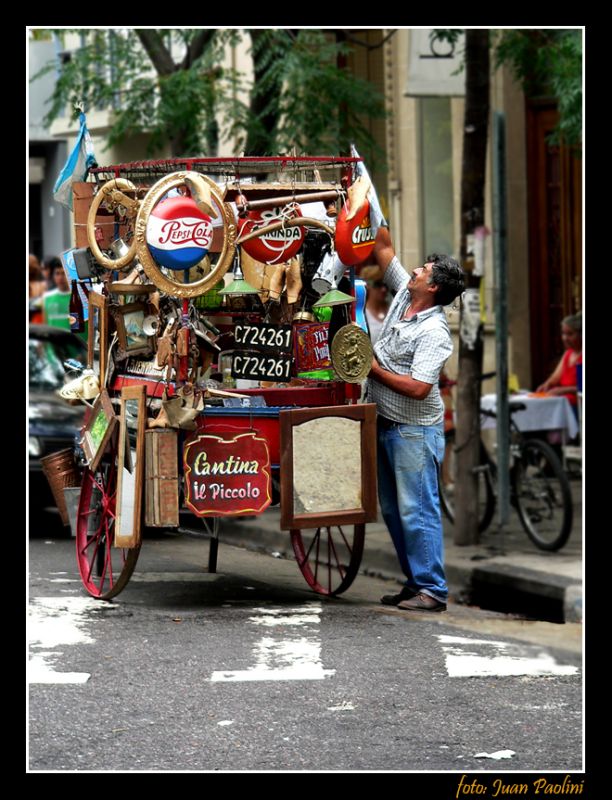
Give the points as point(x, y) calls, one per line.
point(61, 471)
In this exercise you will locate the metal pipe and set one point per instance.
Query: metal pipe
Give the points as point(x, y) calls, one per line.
point(501, 318)
point(271, 202)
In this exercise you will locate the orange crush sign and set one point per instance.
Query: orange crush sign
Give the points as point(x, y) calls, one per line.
point(224, 477)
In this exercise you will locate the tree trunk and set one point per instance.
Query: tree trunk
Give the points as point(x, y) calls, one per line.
point(467, 440)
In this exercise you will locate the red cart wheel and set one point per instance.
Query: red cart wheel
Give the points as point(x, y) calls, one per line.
point(105, 569)
point(327, 558)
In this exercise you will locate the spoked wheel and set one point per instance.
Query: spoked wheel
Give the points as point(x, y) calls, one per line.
point(543, 496)
point(328, 558)
point(105, 569)
point(486, 491)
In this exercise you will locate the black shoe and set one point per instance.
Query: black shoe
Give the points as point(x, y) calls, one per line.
point(422, 602)
point(394, 599)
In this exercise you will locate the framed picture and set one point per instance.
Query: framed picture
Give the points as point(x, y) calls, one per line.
point(98, 320)
point(328, 466)
point(128, 293)
point(130, 467)
point(129, 320)
point(99, 430)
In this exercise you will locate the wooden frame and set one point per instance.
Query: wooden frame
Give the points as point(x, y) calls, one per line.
point(99, 430)
point(141, 344)
point(365, 414)
point(101, 303)
point(130, 480)
point(127, 290)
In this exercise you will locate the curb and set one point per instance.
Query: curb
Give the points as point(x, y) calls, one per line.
point(503, 587)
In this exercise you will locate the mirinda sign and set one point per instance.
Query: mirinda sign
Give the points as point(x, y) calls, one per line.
point(226, 477)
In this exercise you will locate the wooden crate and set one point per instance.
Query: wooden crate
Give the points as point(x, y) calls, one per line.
point(81, 201)
point(161, 478)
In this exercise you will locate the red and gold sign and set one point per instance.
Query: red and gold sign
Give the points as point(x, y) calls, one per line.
point(311, 346)
point(227, 476)
point(274, 247)
point(354, 239)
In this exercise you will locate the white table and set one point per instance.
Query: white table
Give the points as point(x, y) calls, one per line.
point(541, 414)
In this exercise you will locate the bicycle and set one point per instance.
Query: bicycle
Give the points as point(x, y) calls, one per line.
point(539, 488)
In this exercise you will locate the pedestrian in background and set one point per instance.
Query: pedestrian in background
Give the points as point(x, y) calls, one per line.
point(50, 263)
point(413, 346)
point(563, 380)
point(377, 303)
point(36, 289)
point(56, 301)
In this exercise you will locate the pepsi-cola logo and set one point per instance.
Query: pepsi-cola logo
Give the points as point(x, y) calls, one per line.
point(178, 233)
point(354, 239)
point(277, 246)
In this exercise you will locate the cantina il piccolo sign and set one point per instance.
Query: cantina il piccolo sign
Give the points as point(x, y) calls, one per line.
point(224, 477)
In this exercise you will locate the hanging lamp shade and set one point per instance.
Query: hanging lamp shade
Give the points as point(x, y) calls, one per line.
point(334, 298)
point(239, 285)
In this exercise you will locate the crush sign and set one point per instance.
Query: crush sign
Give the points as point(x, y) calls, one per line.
point(224, 477)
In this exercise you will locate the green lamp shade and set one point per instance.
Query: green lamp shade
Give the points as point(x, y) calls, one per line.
point(239, 286)
point(334, 298)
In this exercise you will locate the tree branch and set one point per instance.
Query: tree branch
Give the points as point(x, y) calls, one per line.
point(198, 44)
point(157, 51)
point(354, 40)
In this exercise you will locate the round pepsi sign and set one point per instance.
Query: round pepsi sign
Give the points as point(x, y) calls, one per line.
point(178, 233)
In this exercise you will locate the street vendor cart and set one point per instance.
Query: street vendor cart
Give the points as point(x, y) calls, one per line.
point(227, 347)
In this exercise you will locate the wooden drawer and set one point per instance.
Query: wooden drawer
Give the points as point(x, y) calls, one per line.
point(161, 478)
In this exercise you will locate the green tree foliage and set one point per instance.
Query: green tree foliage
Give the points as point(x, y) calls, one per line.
point(172, 85)
point(548, 63)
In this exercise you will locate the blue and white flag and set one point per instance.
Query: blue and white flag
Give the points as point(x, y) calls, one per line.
point(377, 218)
point(80, 161)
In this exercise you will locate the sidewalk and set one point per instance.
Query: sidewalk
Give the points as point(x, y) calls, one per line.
point(505, 572)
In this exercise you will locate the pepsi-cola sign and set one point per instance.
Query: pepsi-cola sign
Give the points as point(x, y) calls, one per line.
point(277, 246)
point(178, 233)
point(354, 240)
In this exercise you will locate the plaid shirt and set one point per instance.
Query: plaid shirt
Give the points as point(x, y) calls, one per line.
point(417, 347)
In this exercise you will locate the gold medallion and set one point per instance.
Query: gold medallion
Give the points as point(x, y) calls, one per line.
point(351, 353)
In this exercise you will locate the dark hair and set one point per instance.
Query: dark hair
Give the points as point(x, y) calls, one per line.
point(448, 276)
point(52, 263)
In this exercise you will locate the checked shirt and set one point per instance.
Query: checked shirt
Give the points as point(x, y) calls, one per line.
point(418, 347)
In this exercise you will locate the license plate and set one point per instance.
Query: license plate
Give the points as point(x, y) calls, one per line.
point(261, 366)
point(263, 336)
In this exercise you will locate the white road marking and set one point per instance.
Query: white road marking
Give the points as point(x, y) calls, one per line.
point(499, 754)
point(225, 722)
point(281, 658)
point(468, 658)
point(344, 706)
point(54, 622)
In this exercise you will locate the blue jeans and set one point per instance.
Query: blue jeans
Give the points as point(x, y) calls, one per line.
point(409, 457)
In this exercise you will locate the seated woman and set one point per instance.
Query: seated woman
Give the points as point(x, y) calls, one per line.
point(563, 381)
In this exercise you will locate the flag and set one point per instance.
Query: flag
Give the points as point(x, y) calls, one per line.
point(80, 161)
point(377, 218)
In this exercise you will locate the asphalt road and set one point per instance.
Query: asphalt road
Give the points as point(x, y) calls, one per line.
point(248, 669)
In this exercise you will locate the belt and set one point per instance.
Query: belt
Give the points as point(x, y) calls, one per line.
point(386, 423)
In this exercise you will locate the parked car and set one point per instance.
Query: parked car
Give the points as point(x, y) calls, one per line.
point(53, 423)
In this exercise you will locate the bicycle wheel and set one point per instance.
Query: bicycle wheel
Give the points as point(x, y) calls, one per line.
point(446, 484)
point(542, 495)
point(105, 569)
